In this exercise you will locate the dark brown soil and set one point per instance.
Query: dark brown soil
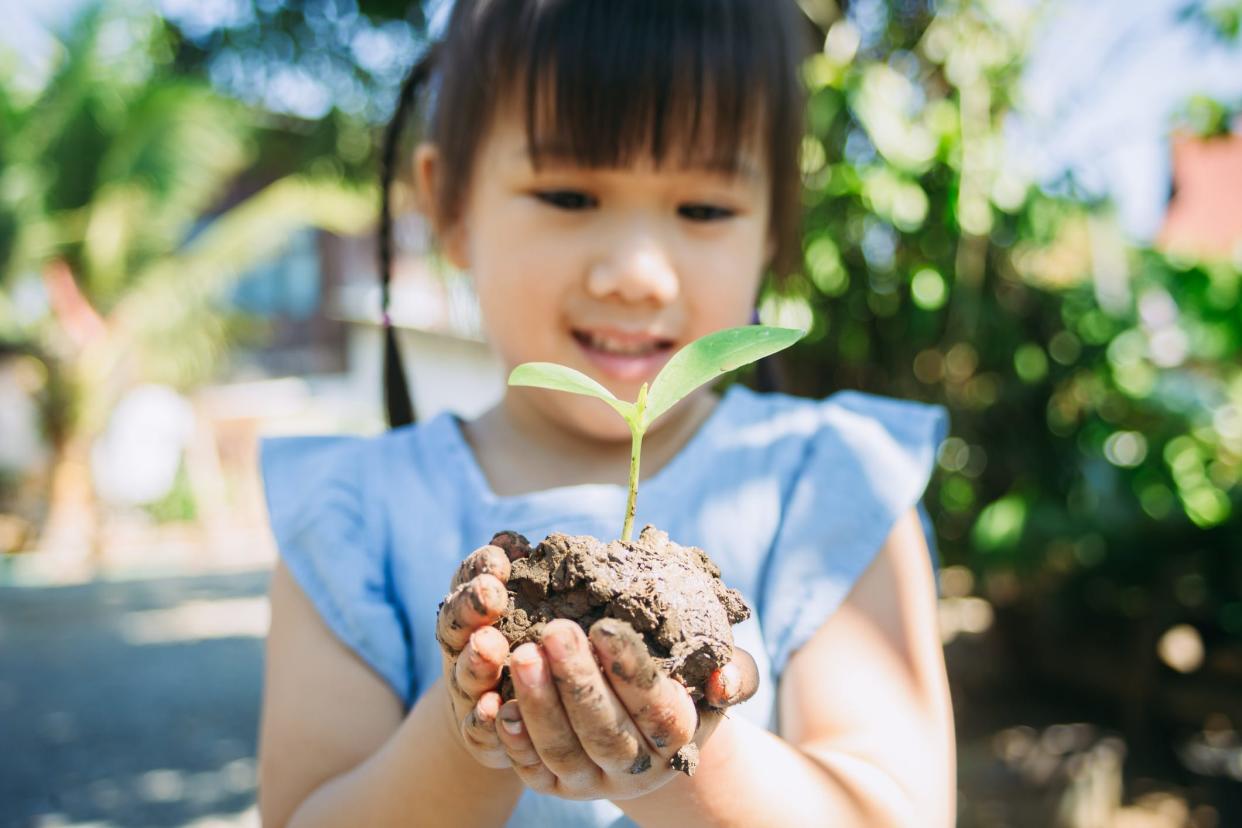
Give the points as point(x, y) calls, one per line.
point(670, 595)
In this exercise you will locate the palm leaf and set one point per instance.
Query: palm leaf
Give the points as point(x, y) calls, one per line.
point(173, 298)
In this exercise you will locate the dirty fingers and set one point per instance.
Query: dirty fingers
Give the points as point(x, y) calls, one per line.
point(474, 652)
point(661, 707)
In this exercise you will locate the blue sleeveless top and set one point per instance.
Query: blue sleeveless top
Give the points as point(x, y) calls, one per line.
point(791, 497)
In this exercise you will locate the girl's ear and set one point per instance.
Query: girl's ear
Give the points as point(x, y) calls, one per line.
point(428, 168)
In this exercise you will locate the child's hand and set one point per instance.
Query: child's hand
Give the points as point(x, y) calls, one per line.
point(579, 729)
point(474, 651)
point(735, 682)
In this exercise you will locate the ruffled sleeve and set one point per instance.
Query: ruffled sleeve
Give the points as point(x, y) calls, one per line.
point(332, 541)
point(867, 464)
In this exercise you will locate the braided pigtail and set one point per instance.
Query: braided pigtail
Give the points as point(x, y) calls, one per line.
point(767, 371)
point(398, 403)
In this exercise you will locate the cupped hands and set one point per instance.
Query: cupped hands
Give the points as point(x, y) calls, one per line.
point(593, 716)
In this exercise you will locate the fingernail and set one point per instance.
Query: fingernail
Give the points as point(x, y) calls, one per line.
point(494, 594)
point(560, 645)
point(528, 666)
point(489, 706)
point(475, 641)
point(482, 563)
point(486, 643)
point(510, 718)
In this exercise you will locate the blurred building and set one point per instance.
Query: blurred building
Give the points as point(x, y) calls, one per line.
point(448, 364)
point(1205, 211)
point(320, 301)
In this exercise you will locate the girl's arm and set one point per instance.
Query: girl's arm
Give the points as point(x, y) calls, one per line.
point(335, 750)
point(866, 723)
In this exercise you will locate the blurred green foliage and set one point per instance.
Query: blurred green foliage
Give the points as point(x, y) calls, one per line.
point(131, 198)
point(325, 74)
point(178, 505)
point(1095, 388)
point(109, 166)
point(1222, 16)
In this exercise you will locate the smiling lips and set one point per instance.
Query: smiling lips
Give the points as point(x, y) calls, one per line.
point(624, 355)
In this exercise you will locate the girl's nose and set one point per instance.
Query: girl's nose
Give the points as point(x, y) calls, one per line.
point(636, 271)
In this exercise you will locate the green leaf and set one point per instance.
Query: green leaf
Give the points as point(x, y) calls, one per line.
point(707, 358)
point(559, 378)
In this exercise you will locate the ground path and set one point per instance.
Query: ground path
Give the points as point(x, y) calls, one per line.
point(131, 702)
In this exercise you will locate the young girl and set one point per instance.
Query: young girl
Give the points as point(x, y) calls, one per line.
point(617, 177)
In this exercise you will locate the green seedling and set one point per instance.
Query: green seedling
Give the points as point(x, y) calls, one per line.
point(703, 360)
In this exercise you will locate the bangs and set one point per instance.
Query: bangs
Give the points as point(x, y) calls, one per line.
point(605, 84)
point(608, 83)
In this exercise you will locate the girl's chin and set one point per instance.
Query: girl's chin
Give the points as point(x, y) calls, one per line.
point(574, 414)
point(597, 420)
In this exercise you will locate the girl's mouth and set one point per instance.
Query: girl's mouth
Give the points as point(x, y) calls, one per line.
point(625, 357)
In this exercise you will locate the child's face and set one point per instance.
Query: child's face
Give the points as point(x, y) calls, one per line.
point(608, 271)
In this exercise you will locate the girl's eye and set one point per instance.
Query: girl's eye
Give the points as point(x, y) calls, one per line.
point(704, 212)
point(566, 199)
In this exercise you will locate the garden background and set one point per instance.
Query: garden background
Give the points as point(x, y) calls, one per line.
point(1030, 213)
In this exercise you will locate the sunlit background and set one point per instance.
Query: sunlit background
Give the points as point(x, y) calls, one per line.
point(1030, 213)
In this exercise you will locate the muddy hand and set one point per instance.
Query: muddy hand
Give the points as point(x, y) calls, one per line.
point(733, 683)
point(581, 732)
point(473, 651)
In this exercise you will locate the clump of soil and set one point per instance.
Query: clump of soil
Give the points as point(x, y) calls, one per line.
point(670, 595)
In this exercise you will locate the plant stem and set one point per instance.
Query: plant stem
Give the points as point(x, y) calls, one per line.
point(636, 443)
point(635, 449)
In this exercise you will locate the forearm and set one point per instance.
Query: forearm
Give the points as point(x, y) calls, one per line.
point(422, 776)
point(750, 777)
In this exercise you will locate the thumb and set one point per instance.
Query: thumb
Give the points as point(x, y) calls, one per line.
point(735, 682)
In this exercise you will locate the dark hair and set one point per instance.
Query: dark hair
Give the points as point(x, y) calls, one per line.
point(605, 83)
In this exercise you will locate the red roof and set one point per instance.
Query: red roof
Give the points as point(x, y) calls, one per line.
point(1205, 213)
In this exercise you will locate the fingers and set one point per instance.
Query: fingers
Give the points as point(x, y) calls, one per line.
point(543, 717)
point(513, 736)
point(477, 603)
point(660, 707)
point(734, 683)
point(602, 723)
point(490, 559)
point(477, 669)
point(479, 726)
point(523, 757)
point(514, 544)
point(478, 730)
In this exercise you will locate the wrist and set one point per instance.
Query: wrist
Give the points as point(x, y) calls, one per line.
point(426, 768)
point(444, 707)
